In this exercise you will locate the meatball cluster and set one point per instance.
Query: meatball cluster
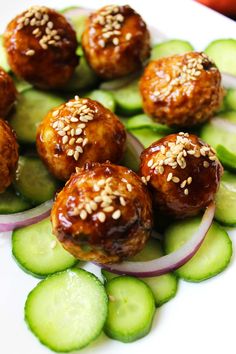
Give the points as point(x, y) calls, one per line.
point(103, 214)
point(41, 47)
point(116, 41)
point(181, 90)
point(183, 173)
point(8, 155)
point(7, 93)
point(79, 131)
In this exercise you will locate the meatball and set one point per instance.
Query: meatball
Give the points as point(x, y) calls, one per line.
point(8, 155)
point(181, 90)
point(41, 47)
point(103, 214)
point(76, 132)
point(116, 41)
point(183, 173)
point(7, 93)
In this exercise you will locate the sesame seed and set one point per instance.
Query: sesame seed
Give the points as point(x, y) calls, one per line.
point(150, 163)
point(85, 142)
point(30, 52)
point(129, 187)
point(65, 139)
point(70, 152)
point(116, 215)
point(143, 178)
point(53, 244)
point(122, 201)
point(101, 216)
point(115, 41)
point(55, 113)
point(206, 164)
point(74, 119)
point(175, 179)
point(108, 209)
point(98, 198)
point(183, 184)
point(61, 133)
point(169, 177)
point(186, 191)
point(72, 141)
point(189, 180)
point(128, 36)
point(79, 140)
point(76, 155)
point(83, 214)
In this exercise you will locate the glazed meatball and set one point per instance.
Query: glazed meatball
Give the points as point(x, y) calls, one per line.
point(41, 47)
point(79, 131)
point(183, 173)
point(8, 155)
point(103, 214)
point(181, 90)
point(7, 93)
point(116, 41)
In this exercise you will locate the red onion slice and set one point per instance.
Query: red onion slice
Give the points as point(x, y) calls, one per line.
point(11, 222)
point(170, 261)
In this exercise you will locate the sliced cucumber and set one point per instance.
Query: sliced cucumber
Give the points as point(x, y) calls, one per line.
point(11, 203)
point(143, 121)
point(226, 200)
point(67, 310)
point(77, 16)
point(227, 158)
point(131, 308)
point(128, 99)
point(33, 181)
point(215, 134)
point(104, 97)
point(223, 52)
point(170, 47)
point(230, 99)
point(31, 108)
point(229, 115)
point(164, 287)
point(212, 257)
point(38, 251)
point(84, 78)
point(3, 57)
point(146, 136)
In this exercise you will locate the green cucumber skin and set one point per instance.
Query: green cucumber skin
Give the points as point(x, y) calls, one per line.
point(145, 330)
point(222, 51)
point(227, 220)
point(181, 272)
point(227, 158)
point(45, 343)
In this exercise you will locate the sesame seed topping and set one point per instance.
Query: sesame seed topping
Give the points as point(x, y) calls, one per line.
point(129, 187)
point(206, 164)
point(111, 21)
point(186, 191)
point(128, 36)
point(30, 52)
point(116, 215)
point(175, 179)
point(101, 216)
point(83, 214)
point(169, 177)
point(38, 18)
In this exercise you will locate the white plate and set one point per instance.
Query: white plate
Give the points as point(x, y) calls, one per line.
point(200, 319)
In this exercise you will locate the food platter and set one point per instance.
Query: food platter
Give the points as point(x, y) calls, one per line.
point(198, 319)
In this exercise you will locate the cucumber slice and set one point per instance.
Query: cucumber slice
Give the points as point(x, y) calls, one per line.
point(226, 200)
point(84, 78)
point(223, 52)
point(164, 287)
point(230, 115)
point(227, 158)
point(143, 121)
point(31, 108)
point(11, 203)
point(67, 310)
point(212, 257)
point(146, 136)
point(215, 134)
point(77, 16)
point(170, 47)
point(33, 181)
point(128, 99)
point(130, 158)
point(104, 97)
point(3, 57)
point(230, 99)
point(38, 251)
point(131, 308)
